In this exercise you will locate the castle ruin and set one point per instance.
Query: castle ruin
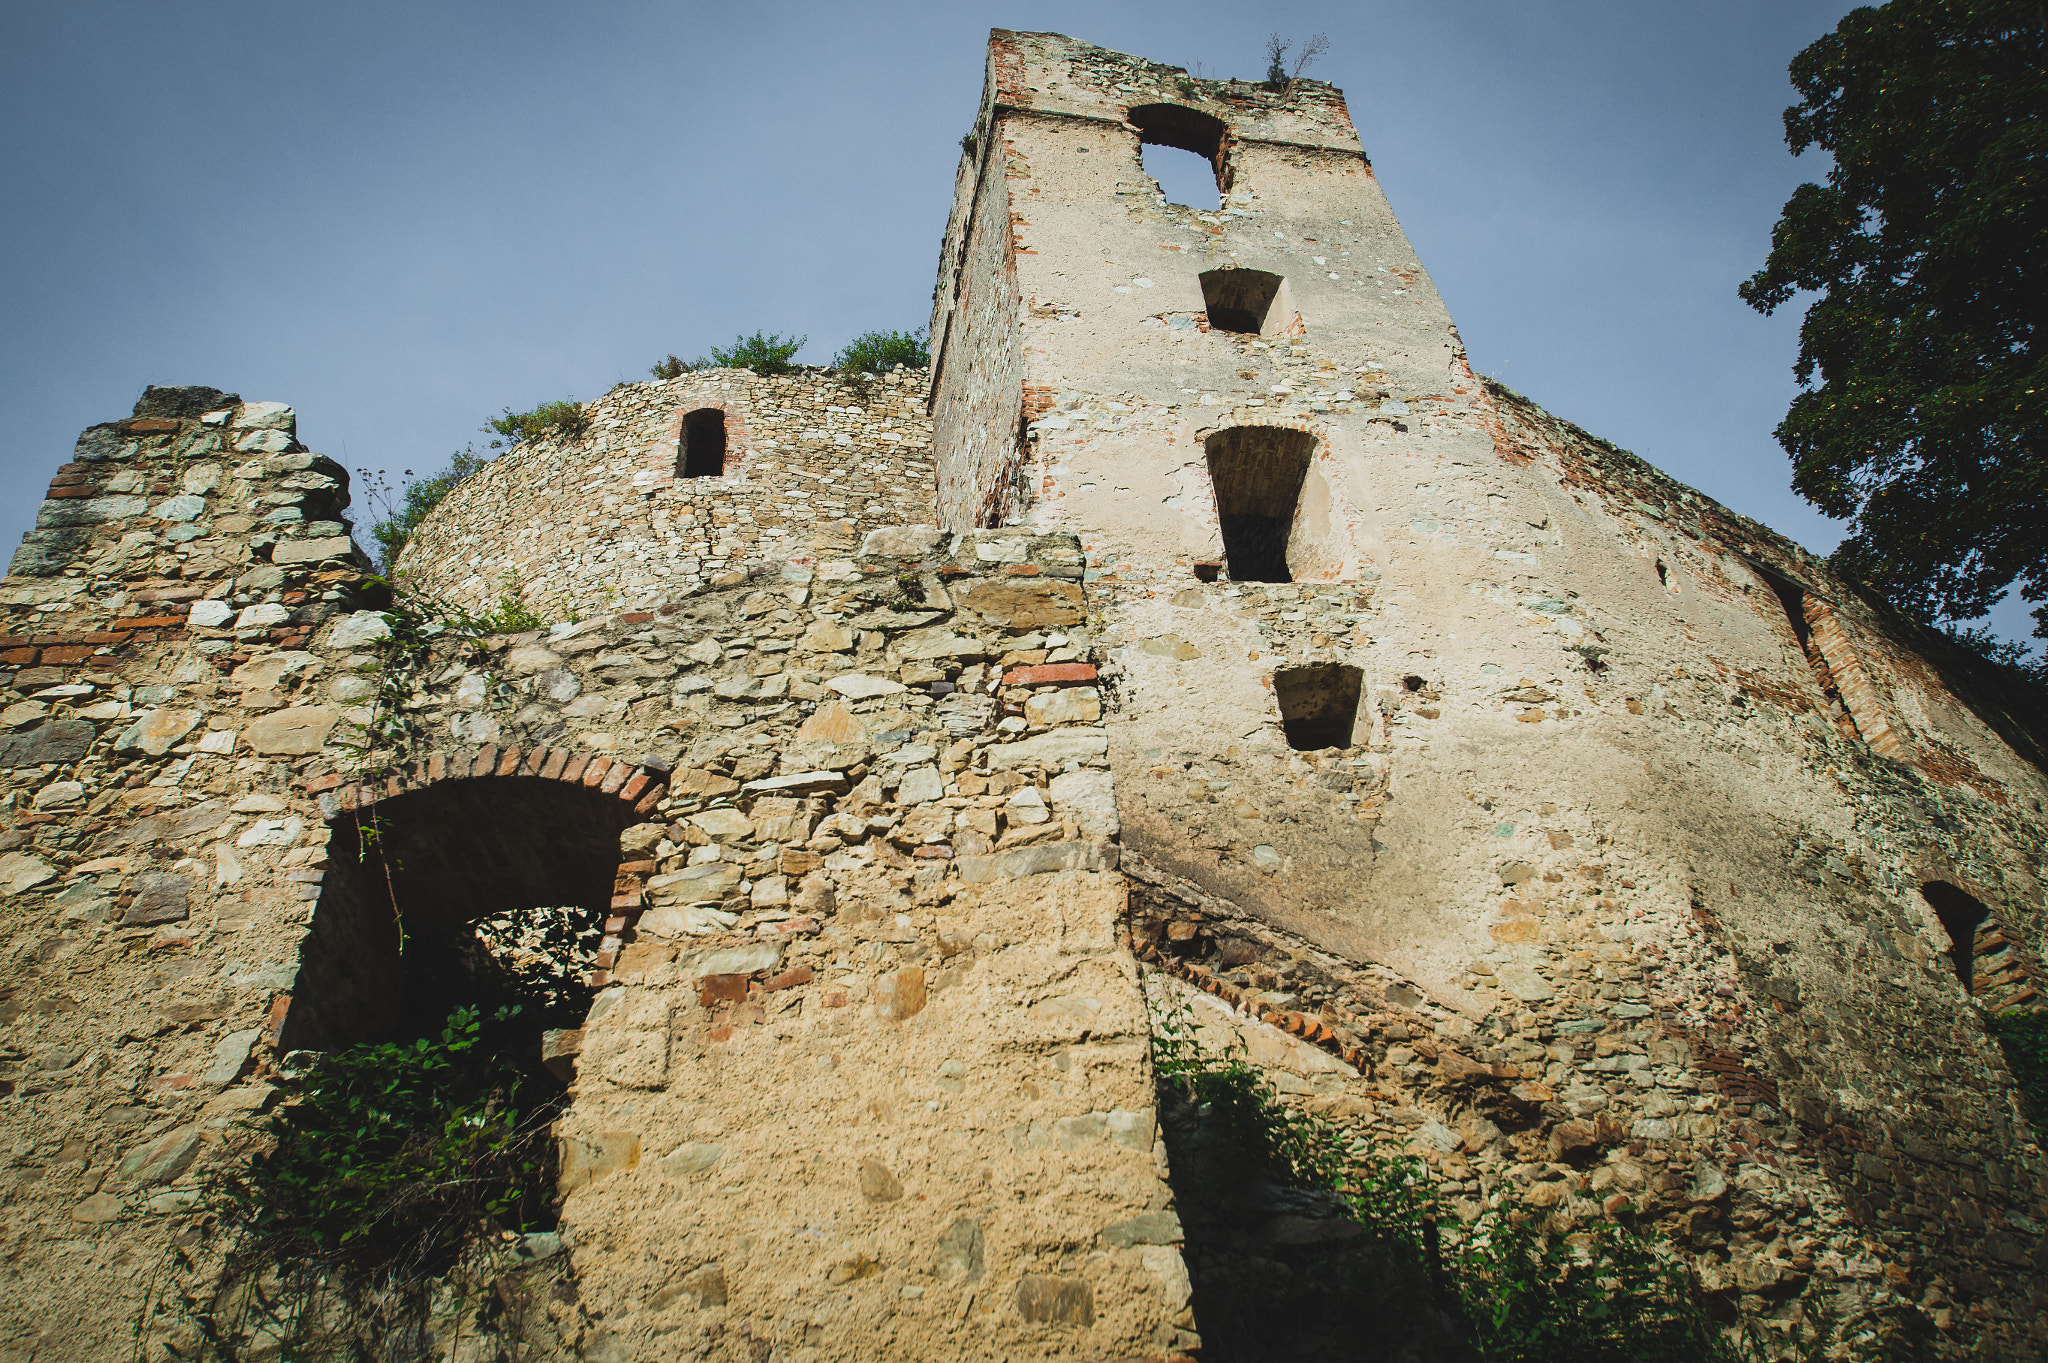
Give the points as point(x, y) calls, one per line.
point(1198, 635)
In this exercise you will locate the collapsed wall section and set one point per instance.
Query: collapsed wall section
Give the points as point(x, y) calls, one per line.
point(637, 508)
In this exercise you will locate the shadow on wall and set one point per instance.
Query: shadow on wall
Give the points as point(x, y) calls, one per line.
point(1318, 704)
point(1239, 300)
point(439, 861)
point(1258, 472)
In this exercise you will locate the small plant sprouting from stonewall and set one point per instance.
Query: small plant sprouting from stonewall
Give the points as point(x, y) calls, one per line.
point(877, 352)
point(1278, 77)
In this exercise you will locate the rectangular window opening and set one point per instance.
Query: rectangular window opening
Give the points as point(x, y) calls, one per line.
point(1257, 473)
point(1318, 704)
point(701, 453)
point(1239, 300)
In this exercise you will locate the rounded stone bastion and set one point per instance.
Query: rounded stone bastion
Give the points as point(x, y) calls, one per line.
point(675, 485)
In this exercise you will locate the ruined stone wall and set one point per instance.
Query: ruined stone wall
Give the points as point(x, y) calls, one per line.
point(978, 396)
point(587, 524)
point(1645, 811)
point(866, 1070)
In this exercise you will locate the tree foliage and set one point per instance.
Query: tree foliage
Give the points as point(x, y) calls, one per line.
point(405, 511)
point(1926, 386)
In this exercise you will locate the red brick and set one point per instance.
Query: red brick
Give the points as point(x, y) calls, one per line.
point(572, 770)
point(320, 783)
point(721, 989)
point(594, 772)
point(59, 657)
point(18, 657)
point(150, 622)
point(721, 1034)
point(636, 617)
point(1048, 674)
point(647, 802)
point(508, 762)
point(437, 767)
point(45, 640)
point(621, 902)
point(631, 790)
point(637, 868)
point(1022, 570)
point(615, 778)
point(58, 494)
point(486, 760)
point(552, 768)
point(789, 979)
point(148, 425)
point(273, 1024)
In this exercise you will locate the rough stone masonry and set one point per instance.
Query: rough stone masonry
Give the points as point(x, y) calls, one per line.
point(1199, 631)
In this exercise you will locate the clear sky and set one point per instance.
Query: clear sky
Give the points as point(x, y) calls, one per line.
point(404, 217)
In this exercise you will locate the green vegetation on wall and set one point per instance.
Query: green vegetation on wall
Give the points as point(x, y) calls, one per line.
point(1520, 1284)
point(877, 352)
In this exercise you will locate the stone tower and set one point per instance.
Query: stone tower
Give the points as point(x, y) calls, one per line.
point(1431, 682)
point(1505, 802)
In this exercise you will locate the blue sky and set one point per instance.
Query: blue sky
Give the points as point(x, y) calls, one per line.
point(402, 218)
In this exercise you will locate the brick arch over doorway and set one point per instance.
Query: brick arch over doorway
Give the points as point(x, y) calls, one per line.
point(449, 840)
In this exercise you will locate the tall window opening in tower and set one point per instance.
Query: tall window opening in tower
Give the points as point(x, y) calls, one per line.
point(1257, 472)
point(702, 454)
point(1239, 300)
point(1170, 138)
point(1961, 914)
point(1318, 705)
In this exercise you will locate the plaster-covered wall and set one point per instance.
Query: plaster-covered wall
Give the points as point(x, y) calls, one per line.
point(1595, 743)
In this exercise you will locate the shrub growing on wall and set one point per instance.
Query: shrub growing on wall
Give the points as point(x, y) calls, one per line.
point(877, 352)
point(762, 352)
point(564, 418)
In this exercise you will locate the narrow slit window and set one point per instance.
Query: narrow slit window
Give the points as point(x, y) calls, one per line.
point(703, 445)
point(1239, 300)
point(1961, 914)
point(1318, 705)
point(1257, 472)
point(1165, 133)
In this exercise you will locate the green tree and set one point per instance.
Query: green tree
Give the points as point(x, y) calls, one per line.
point(1925, 383)
point(420, 496)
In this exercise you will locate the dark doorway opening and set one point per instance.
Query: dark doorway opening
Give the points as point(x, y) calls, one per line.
point(1961, 914)
point(473, 893)
point(1239, 300)
point(703, 447)
point(1257, 472)
point(1318, 704)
